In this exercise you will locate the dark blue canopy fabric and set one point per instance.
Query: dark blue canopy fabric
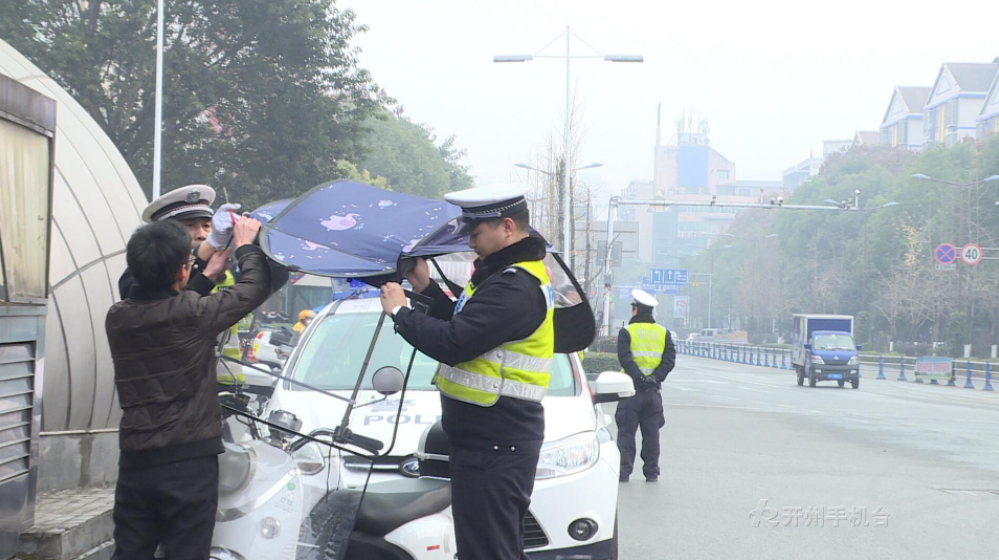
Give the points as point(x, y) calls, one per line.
point(347, 229)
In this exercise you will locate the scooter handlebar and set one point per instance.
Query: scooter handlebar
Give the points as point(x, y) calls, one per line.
point(368, 444)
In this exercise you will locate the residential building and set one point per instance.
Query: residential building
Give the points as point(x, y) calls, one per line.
point(866, 138)
point(988, 120)
point(830, 147)
point(955, 104)
point(902, 126)
point(796, 176)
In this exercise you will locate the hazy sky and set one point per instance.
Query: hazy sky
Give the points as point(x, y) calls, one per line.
point(773, 78)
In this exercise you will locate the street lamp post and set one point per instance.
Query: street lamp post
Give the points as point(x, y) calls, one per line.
point(571, 255)
point(566, 203)
point(158, 107)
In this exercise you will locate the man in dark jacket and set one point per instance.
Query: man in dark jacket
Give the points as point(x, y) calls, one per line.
point(163, 342)
point(647, 355)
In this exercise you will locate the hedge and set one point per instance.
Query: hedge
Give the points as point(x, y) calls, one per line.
point(599, 362)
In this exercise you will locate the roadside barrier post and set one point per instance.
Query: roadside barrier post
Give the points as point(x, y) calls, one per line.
point(969, 385)
point(881, 367)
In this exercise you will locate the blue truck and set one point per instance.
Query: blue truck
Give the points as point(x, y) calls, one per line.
point(824, 350)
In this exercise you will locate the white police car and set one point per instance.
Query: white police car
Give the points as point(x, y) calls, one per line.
point(574, 506)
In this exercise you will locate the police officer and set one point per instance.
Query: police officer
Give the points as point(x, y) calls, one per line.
point(496, 347)
point(210, 232)
point(647, 354)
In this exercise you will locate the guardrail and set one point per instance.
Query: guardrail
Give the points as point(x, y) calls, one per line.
point(780, 358)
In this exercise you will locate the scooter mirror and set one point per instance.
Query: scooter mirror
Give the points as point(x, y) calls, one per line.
point(388, 380)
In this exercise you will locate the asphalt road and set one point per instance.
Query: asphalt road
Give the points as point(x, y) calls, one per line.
point(756, 467)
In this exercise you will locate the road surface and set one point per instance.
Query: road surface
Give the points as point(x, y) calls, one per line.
point(756, 467)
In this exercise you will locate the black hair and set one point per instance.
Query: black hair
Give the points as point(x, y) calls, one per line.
point(521, 219)
point(156, 252)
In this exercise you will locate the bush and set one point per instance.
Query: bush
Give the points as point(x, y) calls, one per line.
point(599, 362)
point(605, 344)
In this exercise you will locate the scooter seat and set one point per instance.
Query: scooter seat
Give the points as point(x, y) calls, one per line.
point(388, 505)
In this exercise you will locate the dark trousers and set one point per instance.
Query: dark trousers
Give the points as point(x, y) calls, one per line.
point(644, 410)
point(171, 505)
point(490, 493)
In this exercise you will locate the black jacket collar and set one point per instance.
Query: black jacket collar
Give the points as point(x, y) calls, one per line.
point(642, 319)
point(143, 294)
point(531, 248)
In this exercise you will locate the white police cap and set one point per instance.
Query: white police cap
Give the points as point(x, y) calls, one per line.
point(642, 297)
point(488, 202)
point(192, 201)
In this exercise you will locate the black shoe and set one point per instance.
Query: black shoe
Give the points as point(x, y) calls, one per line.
point(625, 478)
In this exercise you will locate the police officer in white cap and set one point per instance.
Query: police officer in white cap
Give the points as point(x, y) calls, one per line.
point(647, 354)
point(496, 348)
point(210, 233)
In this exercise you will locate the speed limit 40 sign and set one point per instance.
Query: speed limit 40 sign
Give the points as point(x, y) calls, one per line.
point(971, 254)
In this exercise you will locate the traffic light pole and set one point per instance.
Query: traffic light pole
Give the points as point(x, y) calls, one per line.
point(616, 201)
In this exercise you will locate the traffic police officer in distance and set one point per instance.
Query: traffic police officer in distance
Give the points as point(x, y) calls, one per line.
point(496, 347)
point(647, 354)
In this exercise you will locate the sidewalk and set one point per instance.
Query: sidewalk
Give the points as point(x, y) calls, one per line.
point(70, 525)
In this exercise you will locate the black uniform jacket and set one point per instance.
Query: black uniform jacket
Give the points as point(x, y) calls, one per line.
point(628, 362)
point(508, 305)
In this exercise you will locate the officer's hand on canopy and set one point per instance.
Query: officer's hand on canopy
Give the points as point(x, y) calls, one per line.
point(419, 276)
point(392, 296)
point(222, 225)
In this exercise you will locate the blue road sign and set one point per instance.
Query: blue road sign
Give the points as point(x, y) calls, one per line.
point(660, 289)
point(668, 276)
point(946, 253)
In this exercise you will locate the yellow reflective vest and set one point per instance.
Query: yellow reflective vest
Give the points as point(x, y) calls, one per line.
point(648, 342)
point(520, 369)
point(229, 373)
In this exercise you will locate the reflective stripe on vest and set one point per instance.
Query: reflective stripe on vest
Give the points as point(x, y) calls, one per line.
point(648, 342)
point(229, 373)
point(519, 369)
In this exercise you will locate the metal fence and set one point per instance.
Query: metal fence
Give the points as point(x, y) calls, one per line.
point(877, 365)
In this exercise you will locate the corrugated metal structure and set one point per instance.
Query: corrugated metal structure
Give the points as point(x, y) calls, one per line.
point(27, 130)
point(96, 205)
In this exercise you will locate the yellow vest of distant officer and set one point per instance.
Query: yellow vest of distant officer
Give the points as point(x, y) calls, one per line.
point(648, 342)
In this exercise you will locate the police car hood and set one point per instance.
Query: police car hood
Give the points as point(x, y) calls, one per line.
point(564, 416)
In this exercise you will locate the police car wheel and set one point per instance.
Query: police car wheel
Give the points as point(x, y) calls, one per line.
point(855, 383)
point(841, 383)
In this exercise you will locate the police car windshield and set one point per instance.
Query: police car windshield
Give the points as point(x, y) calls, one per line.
point(834, 342)
point(334, 354)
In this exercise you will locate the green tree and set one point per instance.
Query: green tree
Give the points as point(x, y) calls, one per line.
point(407, 154)
point(260, 96)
